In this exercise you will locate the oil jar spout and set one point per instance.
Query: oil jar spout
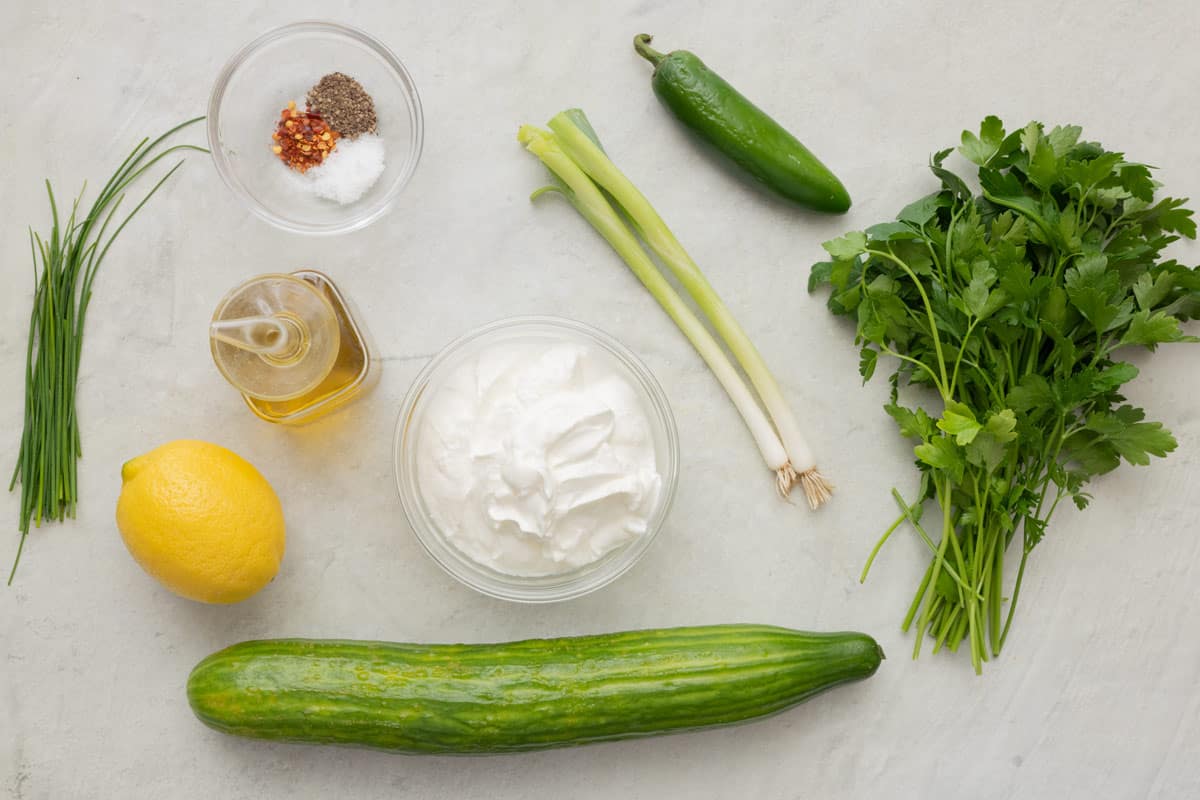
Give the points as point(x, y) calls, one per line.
point(269, 336)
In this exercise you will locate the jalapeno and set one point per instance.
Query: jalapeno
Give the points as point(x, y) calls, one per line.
point(721, 116)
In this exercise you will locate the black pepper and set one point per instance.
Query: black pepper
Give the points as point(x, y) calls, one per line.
point(344, 104)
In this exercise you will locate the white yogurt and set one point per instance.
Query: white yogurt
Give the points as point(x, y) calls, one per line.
point(537, 458)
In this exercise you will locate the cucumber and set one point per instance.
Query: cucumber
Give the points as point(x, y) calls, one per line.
point(722, 116)
point(516, 696)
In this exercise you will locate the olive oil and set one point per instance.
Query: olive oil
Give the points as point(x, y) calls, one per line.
point(325, 363)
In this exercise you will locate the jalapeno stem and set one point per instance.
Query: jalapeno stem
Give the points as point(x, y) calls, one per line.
point(641, 43)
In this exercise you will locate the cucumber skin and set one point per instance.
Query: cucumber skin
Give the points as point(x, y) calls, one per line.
point(518, 696)
point(724, 118)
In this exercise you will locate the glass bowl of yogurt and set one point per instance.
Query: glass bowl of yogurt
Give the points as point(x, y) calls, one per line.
point(536, 459)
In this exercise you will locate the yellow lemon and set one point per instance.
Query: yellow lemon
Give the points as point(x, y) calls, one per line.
point(202, 520)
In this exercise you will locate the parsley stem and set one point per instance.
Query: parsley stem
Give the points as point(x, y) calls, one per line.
point(957, 635)
point(948, 279)
point(915, 605)
point(1012, 603)
point(933, 256)
point(878, 545)
point(978, 656)
point(925, 537)
point(947, 622)
point(964, 601)
point(943, 499)
point(997, 395)
point(999, 544)
point(961, 350)
point(977, 573)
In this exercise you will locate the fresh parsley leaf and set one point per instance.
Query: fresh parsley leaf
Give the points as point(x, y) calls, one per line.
point(871, 327)
point(1063, 138)
point(912, 424)
point(975, 297)
point(982, 148)
point(867, 359)
point(846, 301)
point(1130, 437)
point(1151, 329)
point(987, 451)
point(1031, 393)
point(1090, 455)
point(953, 184)
point(1017, 280)
point(848, 246)
point(959, 421)
point(915, 254)
point(1152, 291)
point(1135, 179)
point(941, 453)
point(1043, 166)
point(1091, 287)
point(1172, 217)
point(1002, 424)
point(843, 272)
point(890, 231)
point(819, 275)
point(919, 212)
point(1090, 173)
point(1005, 189)
point(1009, 228)
point(1114, 376)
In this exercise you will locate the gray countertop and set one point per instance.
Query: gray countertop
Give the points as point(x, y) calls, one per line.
point(1096, 694)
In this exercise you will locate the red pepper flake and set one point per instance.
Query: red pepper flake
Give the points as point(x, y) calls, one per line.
point(302, 138)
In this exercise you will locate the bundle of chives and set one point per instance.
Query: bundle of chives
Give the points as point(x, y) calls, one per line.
point(65, 264)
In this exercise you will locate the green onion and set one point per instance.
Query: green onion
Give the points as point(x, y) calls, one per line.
point(65, 264)
point(574, 156)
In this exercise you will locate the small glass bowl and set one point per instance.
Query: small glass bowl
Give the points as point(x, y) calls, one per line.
point(549, 588)
point(281, 66)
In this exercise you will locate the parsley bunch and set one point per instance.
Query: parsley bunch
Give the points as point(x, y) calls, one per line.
point(1013, 305)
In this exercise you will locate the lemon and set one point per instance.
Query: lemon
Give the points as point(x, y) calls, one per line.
point(201, 520)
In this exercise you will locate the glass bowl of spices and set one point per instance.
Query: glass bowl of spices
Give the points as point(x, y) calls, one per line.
point(316, 127)
point(536, 459)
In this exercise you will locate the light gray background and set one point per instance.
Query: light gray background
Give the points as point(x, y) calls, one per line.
point(1096, 695)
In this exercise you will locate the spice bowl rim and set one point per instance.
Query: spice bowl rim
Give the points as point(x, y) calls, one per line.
point(412, 98)
point(543, 589)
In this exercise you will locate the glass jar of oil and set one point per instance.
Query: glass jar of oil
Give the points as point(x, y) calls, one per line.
point(291, 345)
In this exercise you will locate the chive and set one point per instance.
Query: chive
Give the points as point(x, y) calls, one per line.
point(65, 264)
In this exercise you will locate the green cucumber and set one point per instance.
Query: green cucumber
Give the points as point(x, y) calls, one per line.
point(528, 695)
point(721, 116)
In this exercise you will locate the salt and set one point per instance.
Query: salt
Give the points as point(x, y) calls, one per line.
point(348, 171)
